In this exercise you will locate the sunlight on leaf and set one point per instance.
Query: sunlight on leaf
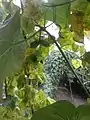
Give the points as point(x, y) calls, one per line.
point(76, 63)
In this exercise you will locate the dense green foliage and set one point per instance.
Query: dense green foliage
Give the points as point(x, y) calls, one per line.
point(23, 49)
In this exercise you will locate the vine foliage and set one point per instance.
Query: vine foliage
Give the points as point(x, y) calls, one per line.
point(24, 44)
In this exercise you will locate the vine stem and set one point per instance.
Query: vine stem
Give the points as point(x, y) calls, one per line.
point(73, 71)
point(25, 40)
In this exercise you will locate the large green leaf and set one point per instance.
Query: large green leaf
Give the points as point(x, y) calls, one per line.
point(63, 110)
point(11, 49)
point(84, 112)
point(60, 110)
point(85, 118)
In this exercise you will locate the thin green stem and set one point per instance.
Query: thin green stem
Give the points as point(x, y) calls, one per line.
point(49, 25)
point(17, 43)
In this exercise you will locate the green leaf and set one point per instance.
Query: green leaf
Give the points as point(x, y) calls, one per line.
point(86, 57)
point(75, 47)
point(20, 81)
point(68, 38)
point(83, 110)
point(76, 63)
point(51, 100)
point(60, 110)
point(85, 118)
point(67, 41)
point(7, 5)
point(40, 100)
point(34, 44)
point(32, 59)
point(76, 21)
point(45, 43)
point(11, 48)
point(43, 52)
point(82, 50)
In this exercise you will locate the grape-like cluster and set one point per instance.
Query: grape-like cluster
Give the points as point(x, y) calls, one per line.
point(58, 72)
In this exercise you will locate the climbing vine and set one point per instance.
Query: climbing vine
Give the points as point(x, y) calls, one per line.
point(25, 43)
